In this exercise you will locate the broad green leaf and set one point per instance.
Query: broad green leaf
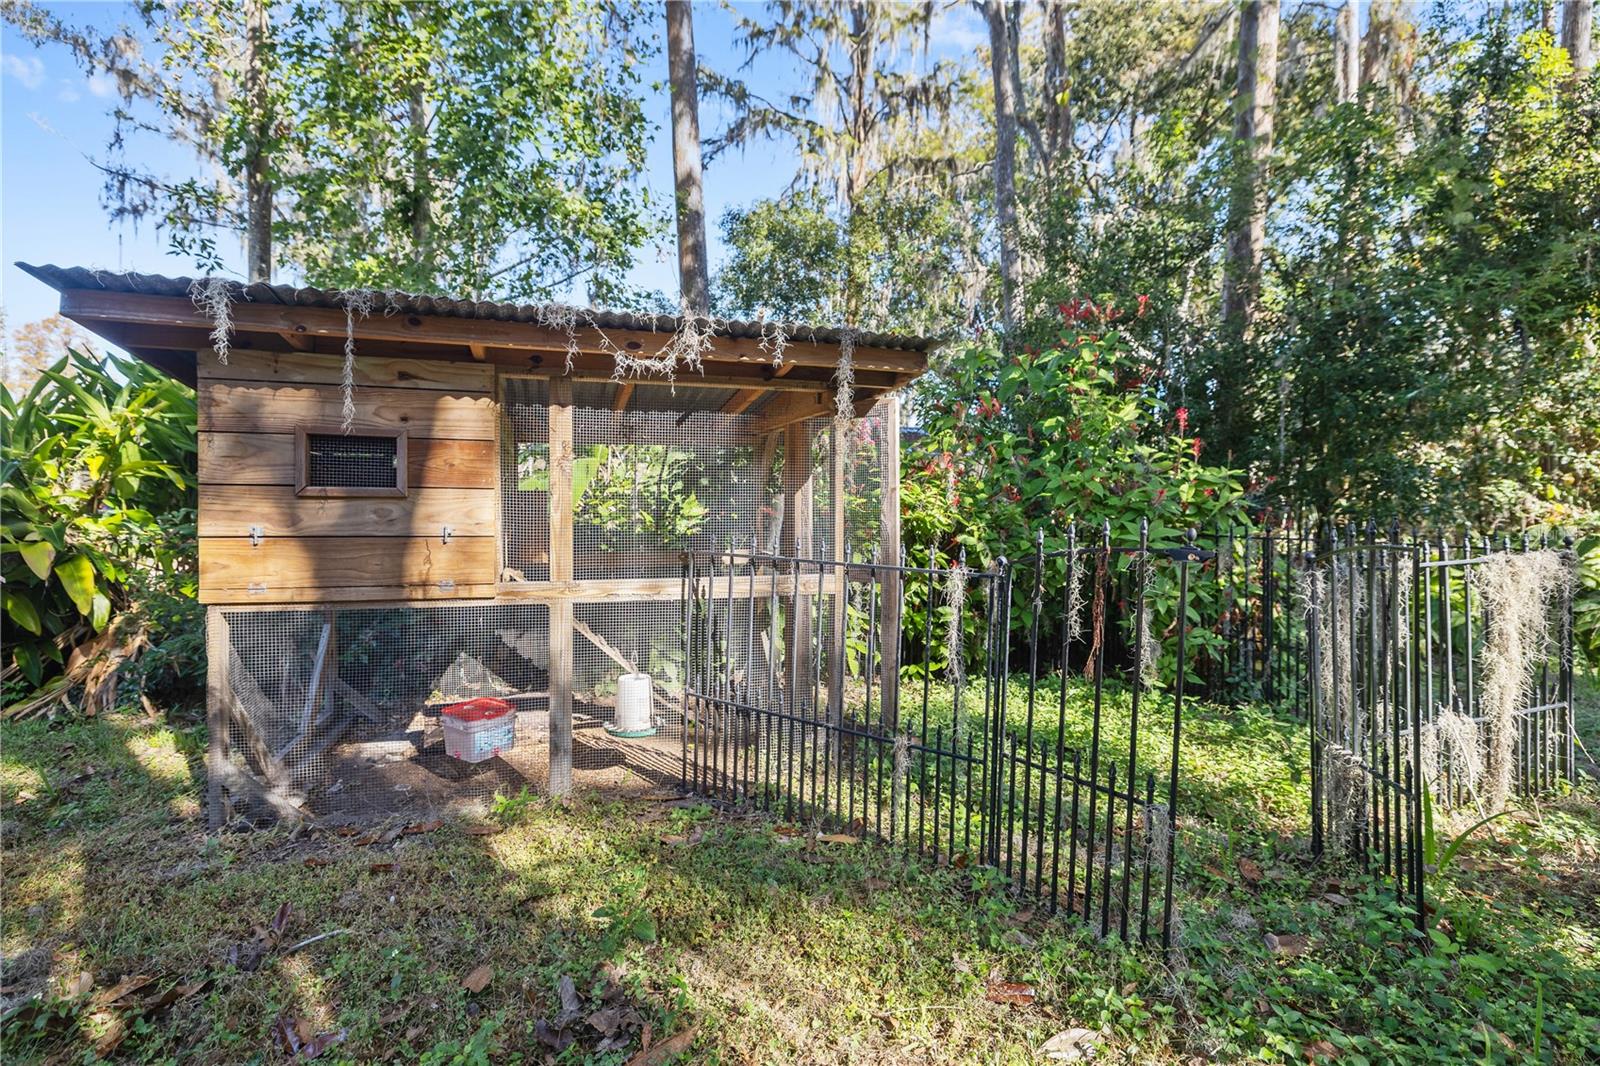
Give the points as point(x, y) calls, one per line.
point(23, 612)
point(77, 577)
point(38, 555)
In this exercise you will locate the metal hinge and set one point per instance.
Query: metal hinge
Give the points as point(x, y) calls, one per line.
point(257, 534)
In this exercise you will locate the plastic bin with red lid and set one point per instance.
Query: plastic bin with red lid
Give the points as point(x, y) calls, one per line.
point(479, 729)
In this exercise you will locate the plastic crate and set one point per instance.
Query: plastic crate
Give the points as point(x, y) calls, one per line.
point(479, 729)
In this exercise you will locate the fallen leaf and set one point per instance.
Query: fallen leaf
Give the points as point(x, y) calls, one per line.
point(1070, 1045)
point(659, 1054)
point(1013, 992)
point(838, 838)
point(478, 979)
point(394, 1015)
point(875, 884)
point(423, 827)
point(1250, 870)
point(79, 986)
point(481, 830)
point(317, 860)
point(381, 868)
point(1321, 1049)
point(296, 1038)
point(1336, 899)
point(121, 990)
point(1288, 944)
point(605, 1020)
point(116, 1032)
point(280, 920)
point(567, 989)
point(688, 840)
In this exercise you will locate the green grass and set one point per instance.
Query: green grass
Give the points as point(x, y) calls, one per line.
point(770, 948)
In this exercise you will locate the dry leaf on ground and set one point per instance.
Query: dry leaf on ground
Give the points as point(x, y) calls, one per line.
point(478, 979)
point(1070, 1045)
point(1014, 993)
point(660, 1053)
point(1289, 944)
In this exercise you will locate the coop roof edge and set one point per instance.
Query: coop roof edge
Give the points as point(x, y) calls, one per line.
point(162, 322)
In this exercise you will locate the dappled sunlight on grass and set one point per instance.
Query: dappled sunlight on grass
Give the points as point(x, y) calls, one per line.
point(774, 948)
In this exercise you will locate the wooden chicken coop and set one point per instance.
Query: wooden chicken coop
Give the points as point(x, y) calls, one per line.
point(481, 506)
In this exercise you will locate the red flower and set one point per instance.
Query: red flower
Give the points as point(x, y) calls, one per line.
point(1183, 420)
point(1144, 303)
point(1195, 447)
point(1161, 494)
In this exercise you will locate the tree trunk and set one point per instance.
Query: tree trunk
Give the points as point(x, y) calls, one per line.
point(1255, 95)
point(1577, 35)
point(421, 184)
point(1347, 54)
point(1058, 129)
point(258, 186)
point(1005, 156)
point(693, 272)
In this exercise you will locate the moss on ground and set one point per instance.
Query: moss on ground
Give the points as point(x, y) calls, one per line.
point(747, 940)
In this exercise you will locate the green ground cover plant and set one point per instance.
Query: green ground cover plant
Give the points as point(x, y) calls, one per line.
point(545, 930)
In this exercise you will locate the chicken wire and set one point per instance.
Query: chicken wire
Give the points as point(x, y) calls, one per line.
point(337, 709)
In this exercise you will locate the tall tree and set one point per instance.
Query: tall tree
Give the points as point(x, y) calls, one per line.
point(1347, 53)
point(877, 129)
point(489, 148)
point(257, 166)
point(692, 268)
point(1254, 102)
point(1005, 155)
point(1577, 35)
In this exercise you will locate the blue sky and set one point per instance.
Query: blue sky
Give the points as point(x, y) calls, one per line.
point(53, 118)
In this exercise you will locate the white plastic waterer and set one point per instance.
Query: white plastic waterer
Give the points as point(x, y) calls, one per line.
point(633, 706)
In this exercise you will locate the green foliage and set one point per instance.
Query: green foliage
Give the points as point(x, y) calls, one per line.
point(98, 465)
point(1075, 429)
point(461, 148)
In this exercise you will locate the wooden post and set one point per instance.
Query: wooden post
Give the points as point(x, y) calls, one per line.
point(889, 555)
point(838, 581)
point(216, 716)
point(797, 541)
point(561, 458)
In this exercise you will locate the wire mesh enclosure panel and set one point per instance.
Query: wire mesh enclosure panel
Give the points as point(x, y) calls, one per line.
point(525, 480)
point(1440, 681)
point(651, 481)
point(339, 711)
point(337, 461)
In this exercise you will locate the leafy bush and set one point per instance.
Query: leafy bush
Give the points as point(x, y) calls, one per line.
point(99, 469)
point(1076, 429)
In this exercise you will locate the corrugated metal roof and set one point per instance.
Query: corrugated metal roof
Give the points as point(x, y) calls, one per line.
point(62, 278)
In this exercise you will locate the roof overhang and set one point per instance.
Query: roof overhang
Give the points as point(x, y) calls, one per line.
point(151, 317)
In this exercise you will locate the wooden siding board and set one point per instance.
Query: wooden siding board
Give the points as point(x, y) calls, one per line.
point(269, 459)
point(295, 368)
point(231, 511)
point(278, 565)
point(238, 408)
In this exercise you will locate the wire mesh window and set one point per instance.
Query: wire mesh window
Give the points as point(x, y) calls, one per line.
point(525, 480)
point(351, 464)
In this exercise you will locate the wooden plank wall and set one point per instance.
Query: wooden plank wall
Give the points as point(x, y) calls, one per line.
point(348, 548)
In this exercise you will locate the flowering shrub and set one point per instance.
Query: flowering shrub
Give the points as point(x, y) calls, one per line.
point(1078, 430)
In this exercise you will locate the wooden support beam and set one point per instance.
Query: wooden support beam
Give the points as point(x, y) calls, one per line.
point(480, 352)
point(298, 341)
point(740, 401)
point(561, 616)
point(624, 394)
point(604, 645)
point(216, 717)
point(561, 630)
point(796, 541)
point(836, 658)
point(889, 554)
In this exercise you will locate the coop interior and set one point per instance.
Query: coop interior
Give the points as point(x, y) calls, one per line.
point(362, 711)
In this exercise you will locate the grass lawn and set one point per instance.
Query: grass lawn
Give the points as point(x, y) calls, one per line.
point(658, 930)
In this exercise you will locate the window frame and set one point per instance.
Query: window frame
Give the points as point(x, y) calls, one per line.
point(302, 466)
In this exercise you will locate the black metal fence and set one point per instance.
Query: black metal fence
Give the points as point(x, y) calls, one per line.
point(799, 702)
point(1440, 680)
